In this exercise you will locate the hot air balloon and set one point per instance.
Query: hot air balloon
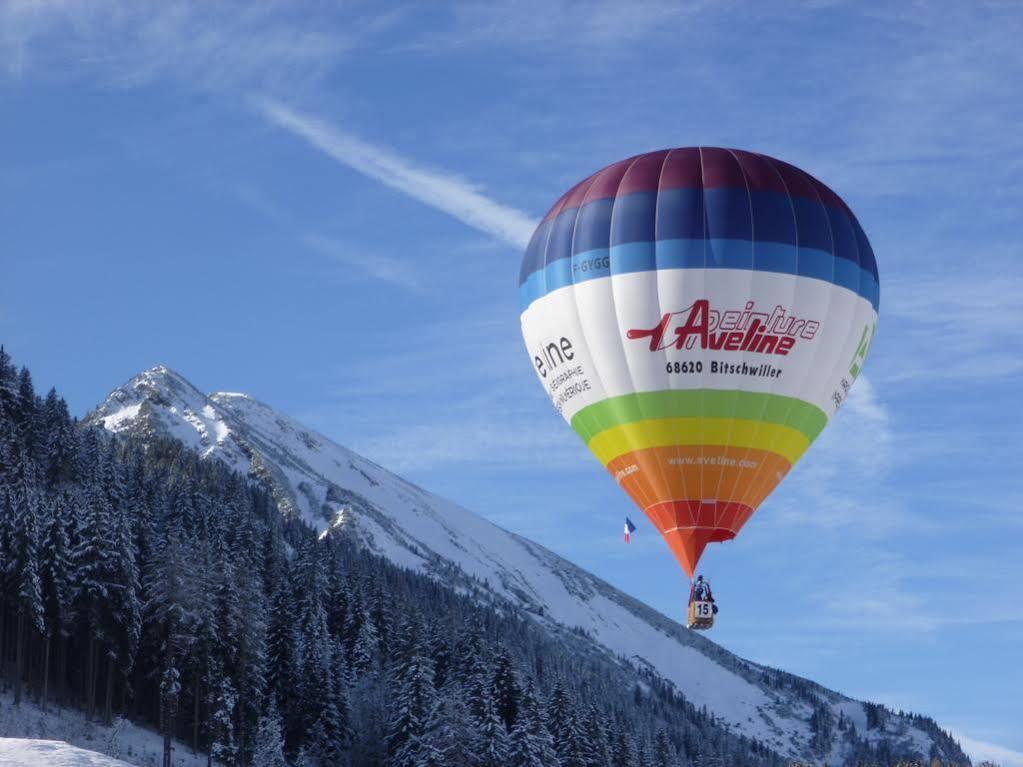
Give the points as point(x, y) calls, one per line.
point(698, 315)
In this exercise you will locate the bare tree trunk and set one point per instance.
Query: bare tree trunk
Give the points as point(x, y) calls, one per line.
point(167, 745)
point(239, 719)
point(46, 671)
point(167, 706)
point(195, 715)
point(60, 687)
point(36, 665)
point(169, 691)
point(90, 682)
point(108, 702)
point(3, 644)
point(19, 659)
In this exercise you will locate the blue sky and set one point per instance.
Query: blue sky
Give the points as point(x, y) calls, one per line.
point(325, 208)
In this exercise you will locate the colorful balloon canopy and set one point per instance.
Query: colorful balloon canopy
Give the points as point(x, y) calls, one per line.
point(698, 315)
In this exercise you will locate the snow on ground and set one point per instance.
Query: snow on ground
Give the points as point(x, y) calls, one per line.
point(25, 752)
point(131, 743)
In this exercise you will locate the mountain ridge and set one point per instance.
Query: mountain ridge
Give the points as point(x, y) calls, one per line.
point(332, 488)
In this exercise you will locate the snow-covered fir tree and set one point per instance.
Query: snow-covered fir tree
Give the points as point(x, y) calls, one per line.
point(137, 579)
point(268, 749)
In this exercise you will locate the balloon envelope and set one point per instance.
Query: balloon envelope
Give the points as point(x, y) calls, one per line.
point(698, 315)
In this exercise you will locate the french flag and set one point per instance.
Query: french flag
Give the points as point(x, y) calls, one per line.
point(629, 529)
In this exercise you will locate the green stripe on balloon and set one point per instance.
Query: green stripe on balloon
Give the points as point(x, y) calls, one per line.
point(699, 403)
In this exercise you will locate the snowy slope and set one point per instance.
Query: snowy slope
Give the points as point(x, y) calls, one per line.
point(335, 489)
point(65, 737)
point(24, 752)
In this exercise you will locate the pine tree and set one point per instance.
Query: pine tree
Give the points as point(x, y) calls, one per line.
point(170, 691)
point(8, 400)
point(366, 651)
point(596, 750)
point(438, 651)
point(414, 700)
point(224, 702)
point(27, 425)
point(59, 442)
point(623, 749)
point(565, 728)
point(335, 713)
point(506, 690)
point(476, 675)
point(108, 588)
point(28, 591)
point(122, 609)
point(490, 747)
point(269, 746)
point(8, 571)
point(283, 673)
point(315, 752)
point(209, 626)
point(169, 599)
point(648, 755)
point(314, 699)
point(92, 560)
point(249, 670)
point(8, 440)
point(664, 752)
point(450, 728)
point(531, 744)
point(379, 607)
point(57, 579)
point(371, 712)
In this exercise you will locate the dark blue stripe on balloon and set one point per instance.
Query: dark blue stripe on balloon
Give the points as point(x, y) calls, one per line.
point(593, 227)
point(717, 214)
point(681, 214)
point(700, 254)
point(533, 258)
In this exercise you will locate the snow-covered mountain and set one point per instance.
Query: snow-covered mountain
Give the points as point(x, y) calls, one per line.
point(335, 489)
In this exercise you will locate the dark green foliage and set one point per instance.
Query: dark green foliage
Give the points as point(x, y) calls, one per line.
point(136, 577)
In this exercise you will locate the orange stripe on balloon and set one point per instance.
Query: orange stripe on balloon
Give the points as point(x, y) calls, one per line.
point(662, 481)
point(657, 474)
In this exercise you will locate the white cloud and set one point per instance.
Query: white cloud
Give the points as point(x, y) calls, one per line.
point(980, 750)
point(565, 23)
point(210, 45)
point(965, 322)
point(442, 190)
point(477, 399)
point(479, 442)
point(856, 449)
point(373, 265)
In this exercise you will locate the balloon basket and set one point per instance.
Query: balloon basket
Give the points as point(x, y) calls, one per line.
point(700, 616)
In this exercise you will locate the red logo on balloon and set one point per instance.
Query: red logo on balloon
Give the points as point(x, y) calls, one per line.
point(733, 330)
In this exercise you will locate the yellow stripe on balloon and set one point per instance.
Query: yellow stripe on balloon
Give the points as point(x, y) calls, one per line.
point(728, 432)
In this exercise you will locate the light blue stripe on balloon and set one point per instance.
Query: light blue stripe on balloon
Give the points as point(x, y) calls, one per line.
point(818, 264)
point(633, 257)
point(532, 289)
point(700, 254)
point(776, 257)
point(849, 275)
point(591, 264)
